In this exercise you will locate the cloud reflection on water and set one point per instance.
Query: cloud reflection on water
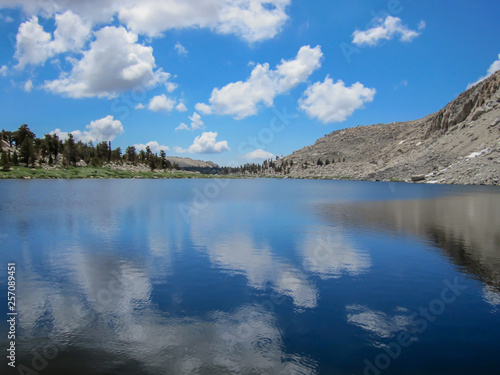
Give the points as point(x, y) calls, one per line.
point(127, 327)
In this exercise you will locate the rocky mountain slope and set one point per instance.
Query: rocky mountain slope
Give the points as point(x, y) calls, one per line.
point(191, 163)
point(458, 144)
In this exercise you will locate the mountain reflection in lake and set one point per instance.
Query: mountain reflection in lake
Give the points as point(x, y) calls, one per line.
point(272, 277)
point(465, 227)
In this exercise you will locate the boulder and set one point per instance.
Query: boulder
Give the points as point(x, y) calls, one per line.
point(419, 177)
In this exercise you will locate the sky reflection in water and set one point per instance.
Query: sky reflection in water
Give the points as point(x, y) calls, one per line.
point(274, 277)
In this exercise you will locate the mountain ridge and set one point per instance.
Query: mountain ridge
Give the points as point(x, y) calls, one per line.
point(458, 144)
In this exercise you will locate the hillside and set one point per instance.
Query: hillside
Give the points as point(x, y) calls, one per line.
point(458, 144)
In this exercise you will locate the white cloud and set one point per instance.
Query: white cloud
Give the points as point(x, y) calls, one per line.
point(71, 32)
point(422, 25)
point(385, 29)
point(3, 70)
point(62, 135)
point(196, 123)
point(104, 129)
point(28, 86)
point(207, 144)
point(203, 108)
point(179, 150)
point(114, 63)
point(242, 99)
point(181, 50)
point(491, 70)
point(170, 86)
point(32, 43)
point(161, 103)
point(182, 126)
point(34, 46)
point(139, 106)
point(92, 10)
point(259, 154)
point(252, 20)
point(181, 107)
point(153, 145)
point(334, 102)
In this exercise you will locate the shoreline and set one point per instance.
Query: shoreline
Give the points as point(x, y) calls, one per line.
point(106, 173)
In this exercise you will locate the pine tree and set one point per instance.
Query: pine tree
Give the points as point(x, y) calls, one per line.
point(27, 150)
point(70, 150)
point(130, 152)
point(152, 163)
point(163, 156)
point(5, 162)
point(15, 159)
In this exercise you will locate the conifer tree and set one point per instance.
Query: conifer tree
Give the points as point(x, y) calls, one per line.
point(15, 159)
point(5, 161)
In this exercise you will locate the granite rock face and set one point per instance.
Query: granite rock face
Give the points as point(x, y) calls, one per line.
point(459, 144)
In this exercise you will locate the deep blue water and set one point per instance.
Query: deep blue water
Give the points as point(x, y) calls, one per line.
point(251, 277)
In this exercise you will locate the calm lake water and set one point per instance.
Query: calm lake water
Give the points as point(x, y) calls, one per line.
point(251, 277)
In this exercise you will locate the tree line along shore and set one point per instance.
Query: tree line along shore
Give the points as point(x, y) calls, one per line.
point(24, 155)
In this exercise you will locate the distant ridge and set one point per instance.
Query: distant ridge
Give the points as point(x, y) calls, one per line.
point(458, 144)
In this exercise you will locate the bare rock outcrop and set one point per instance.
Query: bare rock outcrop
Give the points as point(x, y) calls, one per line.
point(459, 144)
point(472, 103)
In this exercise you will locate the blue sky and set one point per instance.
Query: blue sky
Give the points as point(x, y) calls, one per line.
point(235, 81)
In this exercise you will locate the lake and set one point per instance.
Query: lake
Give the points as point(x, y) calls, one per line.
point(251, 277)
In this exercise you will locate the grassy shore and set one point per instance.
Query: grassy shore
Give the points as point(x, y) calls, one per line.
point(92, 172)
point(106, 172)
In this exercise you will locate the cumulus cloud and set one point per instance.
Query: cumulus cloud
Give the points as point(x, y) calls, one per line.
point(252, 20)
point(3, 70)
point(170, 86)
point(207, 144)
point(258, 154)
point(181, 50)
point(196, 123)
point(34, 45)
point(94, 11)
point(491, 70)
point(203, 108)
point(178, 149)
point(161, 103)
point(334, 102)
point(385, 29)
point(28, 86)
point(114, 63)
point(153, 145)
point(181, 107)
point(104, 129)
point(242, 99)
point(182, 126)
